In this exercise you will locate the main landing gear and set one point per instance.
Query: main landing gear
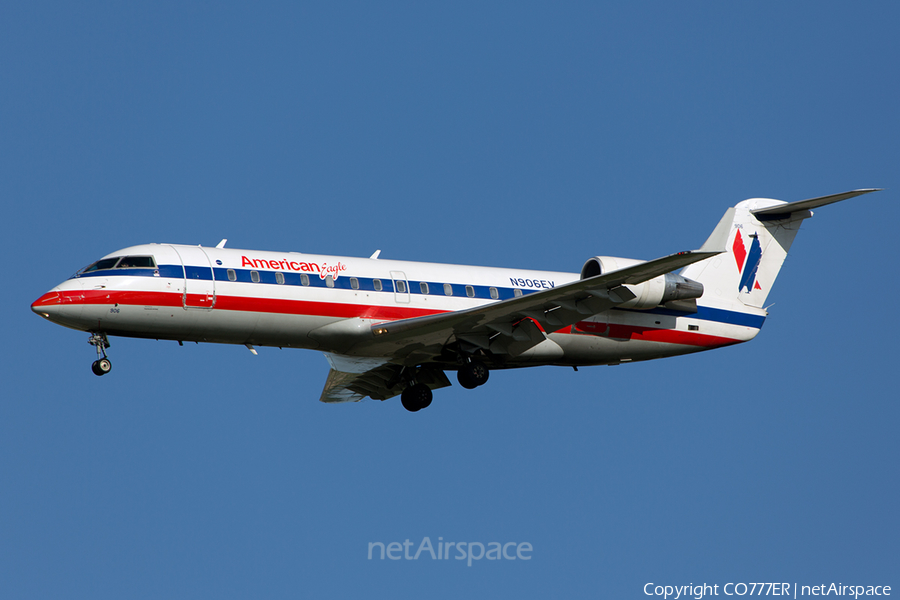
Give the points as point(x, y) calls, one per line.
point(416, 397)
point(472, 373)
point(102, 365)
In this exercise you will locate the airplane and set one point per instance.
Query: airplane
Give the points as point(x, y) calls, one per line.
point(390, 327)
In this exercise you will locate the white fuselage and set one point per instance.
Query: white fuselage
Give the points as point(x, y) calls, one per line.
point(281, 299)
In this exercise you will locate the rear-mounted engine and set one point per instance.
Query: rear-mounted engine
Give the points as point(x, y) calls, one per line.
point(670, 290)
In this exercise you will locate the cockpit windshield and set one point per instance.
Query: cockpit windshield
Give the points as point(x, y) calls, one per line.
point(102, 265)
point(137, 262)
point(120, 262)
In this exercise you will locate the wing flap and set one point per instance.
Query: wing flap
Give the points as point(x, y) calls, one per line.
point(379, 383)
point(337, 388)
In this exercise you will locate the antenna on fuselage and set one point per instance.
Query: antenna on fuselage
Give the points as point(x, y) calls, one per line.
point(375, 256)
point(222, 243)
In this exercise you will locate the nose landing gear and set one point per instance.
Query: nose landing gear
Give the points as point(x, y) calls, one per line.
point(102, 365)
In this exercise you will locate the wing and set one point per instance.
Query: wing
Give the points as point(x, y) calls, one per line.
point(351, 380)
point(508, 327)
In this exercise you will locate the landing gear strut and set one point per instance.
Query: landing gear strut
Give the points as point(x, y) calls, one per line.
point(102, 365)
point(472, 374)
point(416, 397)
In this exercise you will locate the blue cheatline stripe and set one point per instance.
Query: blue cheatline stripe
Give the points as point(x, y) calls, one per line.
point(367, 284)
point(731, 317)
point(705, 313)
point(173, 271)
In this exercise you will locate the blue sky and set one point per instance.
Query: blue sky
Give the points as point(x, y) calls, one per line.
point(503, 134)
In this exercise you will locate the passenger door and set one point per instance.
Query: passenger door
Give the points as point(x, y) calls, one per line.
point(401, 287)
point(199, 279)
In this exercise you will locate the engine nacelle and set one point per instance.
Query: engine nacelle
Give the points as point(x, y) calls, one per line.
point(650, 294)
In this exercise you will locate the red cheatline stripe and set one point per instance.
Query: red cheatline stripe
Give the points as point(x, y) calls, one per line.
point(50, 298)
point(324, 309)
point(241, 303)
point(115, 297)
point(652, 334)
point(334, 309)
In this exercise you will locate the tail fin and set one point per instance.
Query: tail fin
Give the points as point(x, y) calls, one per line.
point(761, 234)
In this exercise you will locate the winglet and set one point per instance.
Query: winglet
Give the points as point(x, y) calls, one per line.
point(222, 243)
point(717, 239)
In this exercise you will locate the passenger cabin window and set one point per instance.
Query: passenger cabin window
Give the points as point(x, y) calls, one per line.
point(304, 279)
point(102, 264)
point(517, 292)
point(448, 289)
point(254, 276)
point(423, 287)
point(279, 278)
point(470, 291)
point(354, 283)
point(494, 293)
point(401, 286)
point(329, 281)
point(137, 262)
point(232, 276)
point(377, 283)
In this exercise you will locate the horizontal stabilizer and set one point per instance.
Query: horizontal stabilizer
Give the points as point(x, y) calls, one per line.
point(783, 211)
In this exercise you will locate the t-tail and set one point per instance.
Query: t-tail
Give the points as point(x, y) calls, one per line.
point(761, 234)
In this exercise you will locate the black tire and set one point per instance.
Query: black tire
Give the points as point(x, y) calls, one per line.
point(473, 374)
point(464, 376)
point(416, 397)
point(425, 395)
point(408, 401)
point(101, 366)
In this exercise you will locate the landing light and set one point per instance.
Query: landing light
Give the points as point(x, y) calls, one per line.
point(380, 330)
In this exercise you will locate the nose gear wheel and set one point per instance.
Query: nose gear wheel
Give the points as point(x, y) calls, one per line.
point(102, 365)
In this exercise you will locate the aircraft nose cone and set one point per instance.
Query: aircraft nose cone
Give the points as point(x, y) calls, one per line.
point(47, 305)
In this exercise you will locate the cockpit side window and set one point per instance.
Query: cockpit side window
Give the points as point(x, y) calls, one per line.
point(101, 265)
point(137, 262)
